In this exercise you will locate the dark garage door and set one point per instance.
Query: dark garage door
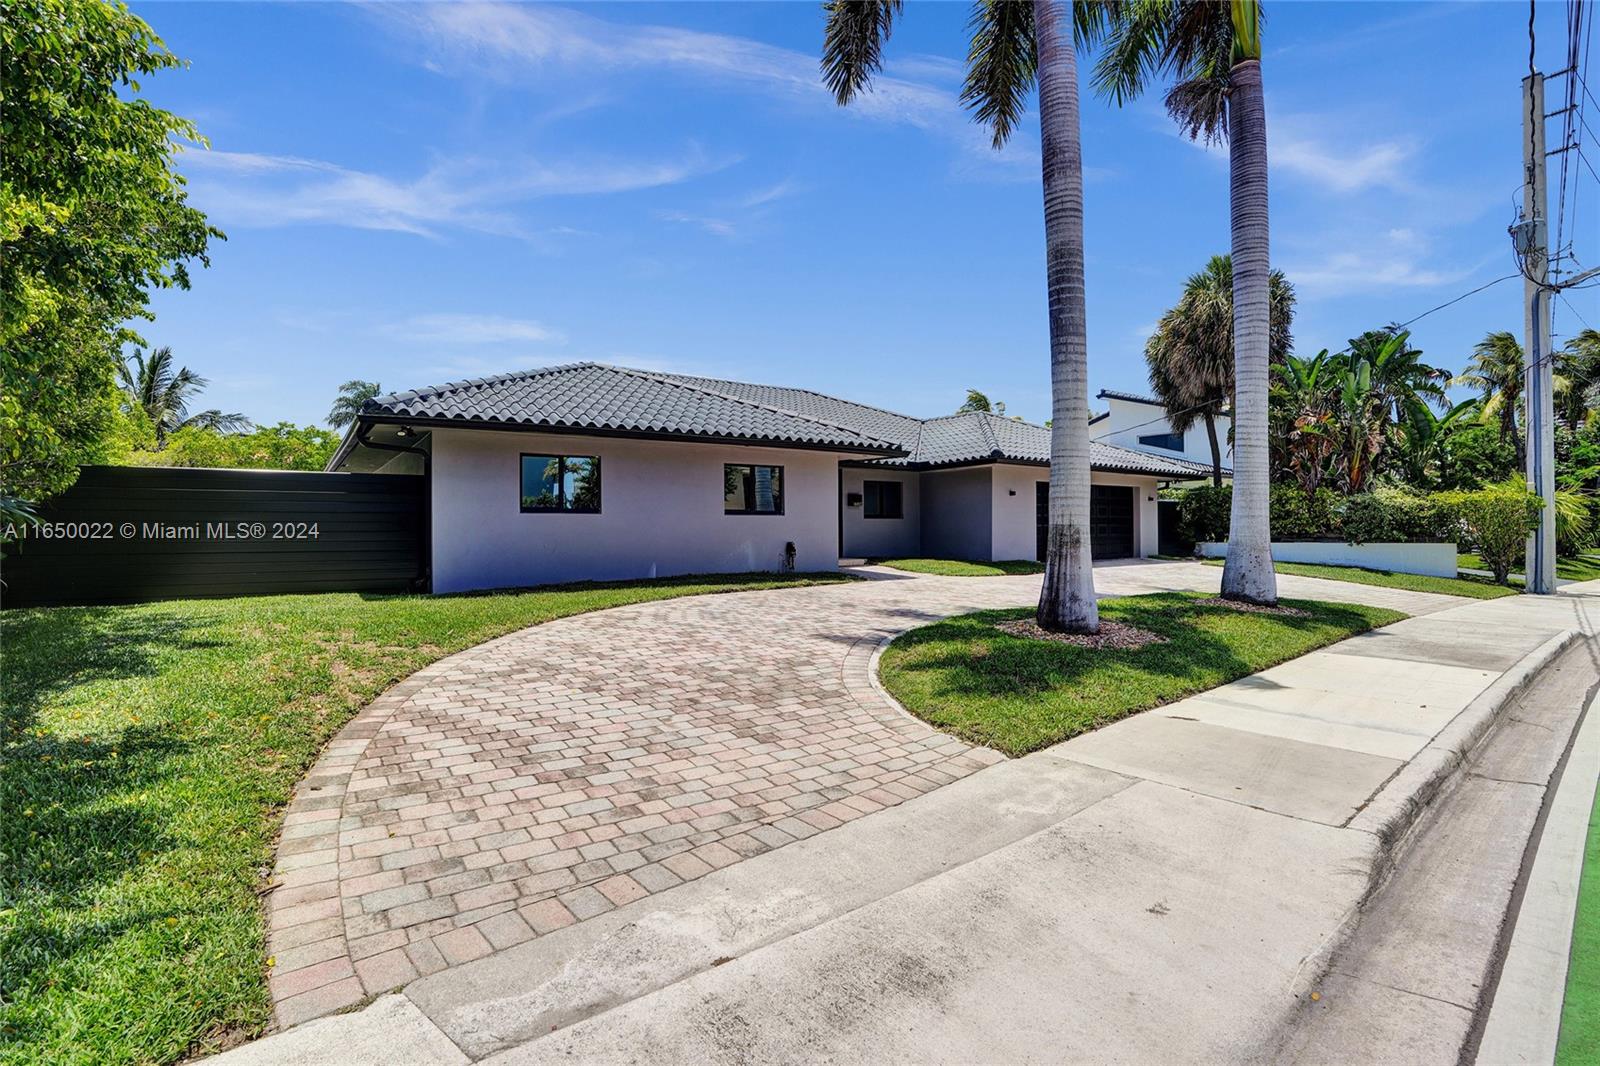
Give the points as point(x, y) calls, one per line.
point(1110, 520)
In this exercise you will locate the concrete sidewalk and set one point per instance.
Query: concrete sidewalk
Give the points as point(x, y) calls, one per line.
point(1164, 889)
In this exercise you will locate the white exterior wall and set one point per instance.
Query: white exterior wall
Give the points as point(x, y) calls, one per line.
point(1015, 510)
point(661, 505)
point(956, 509)
point(881, 538)
point(1125, 424)
point(1433, 560)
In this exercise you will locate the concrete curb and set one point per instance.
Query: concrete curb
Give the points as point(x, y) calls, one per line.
point(1395, 810)
point(1392, 812)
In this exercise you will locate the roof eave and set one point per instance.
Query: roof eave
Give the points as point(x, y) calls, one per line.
point(881, 449)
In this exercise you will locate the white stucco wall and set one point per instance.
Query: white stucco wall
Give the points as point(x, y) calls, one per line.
point(1125, 424)
point(881, 538)
point(1434, 560)
point(956, 509)
point(1015, 517)
point(661, 512)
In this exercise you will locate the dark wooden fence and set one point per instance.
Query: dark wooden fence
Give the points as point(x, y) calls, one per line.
point(1169, 530)
point(130, 534)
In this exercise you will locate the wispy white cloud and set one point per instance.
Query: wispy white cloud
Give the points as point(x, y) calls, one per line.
point(512, 41)
point(771, 194)
point(1344, 168)
point(253, 189)
point(719, 227)
point(1398, 258)
point(475, 329)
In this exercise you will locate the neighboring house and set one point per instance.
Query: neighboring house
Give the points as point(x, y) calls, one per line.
point(1140, 423)
point(599, 472)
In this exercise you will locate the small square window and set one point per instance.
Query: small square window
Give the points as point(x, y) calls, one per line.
point(752, 489)
point(884, 499)
point(569, 483)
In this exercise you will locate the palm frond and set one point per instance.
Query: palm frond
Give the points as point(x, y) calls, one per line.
point(215, 419)
point(1002, 64)
point(852, 43)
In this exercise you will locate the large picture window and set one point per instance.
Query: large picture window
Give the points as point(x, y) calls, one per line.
point(1172, 442)
point(561, 483)
point(750, 489)
point(883, 499)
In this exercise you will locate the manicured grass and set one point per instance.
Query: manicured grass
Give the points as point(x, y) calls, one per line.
point(1018, 695)
point(147, 751)
point(1580, 1011)
point(1568, 568)
point(963, 568)
point(1473, 587)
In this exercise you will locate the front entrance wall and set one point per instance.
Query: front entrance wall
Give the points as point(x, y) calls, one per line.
point(957, 514)
point(1015, 517)
point(880, 538)
point(661, 512)
point(1146, 513)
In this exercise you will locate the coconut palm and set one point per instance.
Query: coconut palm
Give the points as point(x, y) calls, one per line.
point(352, 394)
point(1579, 364)
point(164, 395)
point(1212, 53)
point(1190, 355)
point(1014, 47)
point(1495, 370)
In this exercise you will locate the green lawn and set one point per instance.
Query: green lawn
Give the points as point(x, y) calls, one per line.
point(147, 750)
point(1019, 695)
point(1580, 1011)
point(964, 568)
point(1474, 587)
point(1568, 568)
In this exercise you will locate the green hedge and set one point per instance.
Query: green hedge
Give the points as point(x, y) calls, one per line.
point(1382, 515)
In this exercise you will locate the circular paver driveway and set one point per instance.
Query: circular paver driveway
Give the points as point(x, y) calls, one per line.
point(552, 774)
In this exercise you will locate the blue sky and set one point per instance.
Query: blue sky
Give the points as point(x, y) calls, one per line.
point(421, 193)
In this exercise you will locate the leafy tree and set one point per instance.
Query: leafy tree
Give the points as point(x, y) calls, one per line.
point(284, 446)
point(163, 394)
point(354, 393)
point(1497, 521)
point(1495, 370)
point(1399, 376)
point(1190, 355)
point(1015, 46)
point(1304, 433)
point(1472, 455)
point(1212, 54)
point(92, 217)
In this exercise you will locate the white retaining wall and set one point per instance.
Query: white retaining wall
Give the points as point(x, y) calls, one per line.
point(1433, 560)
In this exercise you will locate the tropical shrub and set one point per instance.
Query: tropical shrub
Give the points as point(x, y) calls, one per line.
point(1574, 522)
point(1496, 522)
point(1390, 515)
point(1203, 513)
point(280, 447)
point(1299, 515)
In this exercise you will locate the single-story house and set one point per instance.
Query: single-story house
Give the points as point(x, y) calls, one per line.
point(589, 471)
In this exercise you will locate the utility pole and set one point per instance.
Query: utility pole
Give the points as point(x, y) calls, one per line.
point(1538, 386)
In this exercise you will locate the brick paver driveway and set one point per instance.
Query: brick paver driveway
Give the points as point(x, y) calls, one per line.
point(552, 774)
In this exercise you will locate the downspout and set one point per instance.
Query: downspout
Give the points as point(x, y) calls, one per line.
point(362, 429)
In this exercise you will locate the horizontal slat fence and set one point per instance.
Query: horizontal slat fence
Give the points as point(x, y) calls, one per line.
point(131, 534)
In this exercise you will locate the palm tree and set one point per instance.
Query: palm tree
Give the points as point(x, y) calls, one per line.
point(1495, 370)
point(164, 394)
point(1190, 355)
point(1402, 379)
point(976, 402)
point(1212, 52)
point(352, 394)
point(1580, 366)
point(1015, 46)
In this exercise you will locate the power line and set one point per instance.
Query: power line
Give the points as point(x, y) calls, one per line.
point(1458, 299)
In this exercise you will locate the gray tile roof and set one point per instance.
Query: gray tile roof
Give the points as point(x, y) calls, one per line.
point(597, 397)
point(609, 399)
point(1132, 397)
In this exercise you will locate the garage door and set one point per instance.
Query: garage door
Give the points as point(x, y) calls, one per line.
point(1110, 520)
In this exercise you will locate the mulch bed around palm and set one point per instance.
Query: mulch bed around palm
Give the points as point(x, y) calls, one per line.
point(1255, 608)
point(1118, 635)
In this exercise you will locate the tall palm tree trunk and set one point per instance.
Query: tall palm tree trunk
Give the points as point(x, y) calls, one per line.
point(1216, 449)
point(1067, 600)
point(1247, 575)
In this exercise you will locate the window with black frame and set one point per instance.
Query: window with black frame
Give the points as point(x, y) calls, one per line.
point(882, 499)
point(749, 488)
point(561, 483)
